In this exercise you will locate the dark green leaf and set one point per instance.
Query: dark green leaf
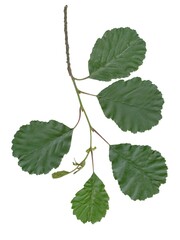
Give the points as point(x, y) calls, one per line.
point(134, 105)
point(40, 146)
point(118, 53)
point(60, 174)
point(91, 203)
point(138, 169)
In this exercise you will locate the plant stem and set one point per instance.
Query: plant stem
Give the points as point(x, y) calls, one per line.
point(94, 130)
point(67, 43)
point(90, 94)
point(78, 118)
point(81, 79)
point(73, 81)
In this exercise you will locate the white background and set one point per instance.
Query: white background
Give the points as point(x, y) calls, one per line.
point(34, 85)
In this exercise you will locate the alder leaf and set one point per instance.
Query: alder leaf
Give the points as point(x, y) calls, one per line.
point(91, 203)
point(118, 53)
point(134, 105)
point(40, 146)
point(139, 170)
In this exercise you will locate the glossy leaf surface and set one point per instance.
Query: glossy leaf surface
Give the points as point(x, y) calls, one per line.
point(134, 105)
point(139, 170)
point(91, 203)
point(40, 146)
point(118, 53)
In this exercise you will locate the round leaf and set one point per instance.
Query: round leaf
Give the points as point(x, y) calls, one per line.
point(138, 169)
point(134, 105)
point(118, 53)
point(91, 203)
point(40, 146)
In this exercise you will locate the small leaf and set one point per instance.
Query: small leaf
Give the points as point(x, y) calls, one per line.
point(134, 105)
point(60, 174)
point(40, 146)
point(91, 203)
point(118, 53)
point(138, 169)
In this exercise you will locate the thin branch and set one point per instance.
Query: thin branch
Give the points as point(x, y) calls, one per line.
point(67, 43)
point(91, 149)
point(101, 136)
point(92, 158)
point(73, 79)
point(80, 110)
point(90, 94)
point(81, 79)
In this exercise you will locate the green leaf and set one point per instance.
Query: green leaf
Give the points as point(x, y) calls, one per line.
point(134, 105)
point(60, 174)
point(40, 146)
point(138, 169)
point(118, 53)
point(91, 203)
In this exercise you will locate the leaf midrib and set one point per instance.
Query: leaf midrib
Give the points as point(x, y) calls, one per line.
point(121, 102)
point(114, 58)
point(44, 146)
point(93, 192)
point(136, 166)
